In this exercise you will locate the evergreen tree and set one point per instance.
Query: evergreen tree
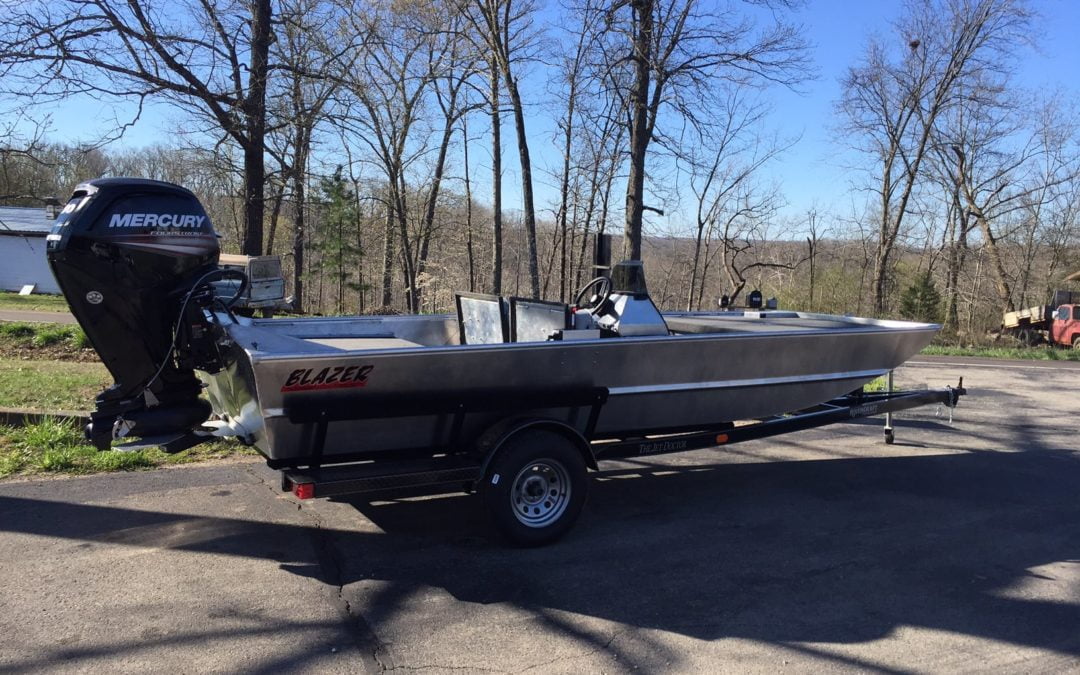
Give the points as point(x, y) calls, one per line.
point(921, 300)
point(335, 240)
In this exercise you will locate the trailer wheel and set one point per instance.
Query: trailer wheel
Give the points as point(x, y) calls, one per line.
point(535, 487)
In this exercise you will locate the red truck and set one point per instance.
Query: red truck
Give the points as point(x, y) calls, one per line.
point(1057, 323)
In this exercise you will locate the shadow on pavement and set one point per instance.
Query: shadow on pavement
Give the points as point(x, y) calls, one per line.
point(836, 551)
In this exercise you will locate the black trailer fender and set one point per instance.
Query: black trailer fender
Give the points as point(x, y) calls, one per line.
point(494, 437)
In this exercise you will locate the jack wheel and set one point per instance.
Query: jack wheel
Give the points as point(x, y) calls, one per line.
point(535, 487)
point(889, 437)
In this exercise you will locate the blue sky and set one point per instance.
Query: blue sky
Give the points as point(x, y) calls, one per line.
point(811, 174)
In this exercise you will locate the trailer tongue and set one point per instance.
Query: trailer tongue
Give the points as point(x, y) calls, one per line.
point(510, 397)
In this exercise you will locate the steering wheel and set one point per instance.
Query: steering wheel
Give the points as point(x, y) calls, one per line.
point(596, 297)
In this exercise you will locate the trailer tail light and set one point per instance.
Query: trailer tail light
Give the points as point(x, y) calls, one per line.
point(303, 490)
point(721, 439)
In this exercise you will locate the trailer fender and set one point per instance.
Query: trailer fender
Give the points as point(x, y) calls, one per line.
point(489, 442)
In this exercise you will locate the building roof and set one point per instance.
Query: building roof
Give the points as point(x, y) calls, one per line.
point(24, 219)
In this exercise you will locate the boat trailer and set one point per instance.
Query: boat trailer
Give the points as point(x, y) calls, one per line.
point(455, 471)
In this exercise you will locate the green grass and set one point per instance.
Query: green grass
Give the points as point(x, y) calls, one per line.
point(1042, 353)
point(878, 384)
point(56, 446)
point(26, 335)
point(33, 303)
point(49, 386)
point(21, 334)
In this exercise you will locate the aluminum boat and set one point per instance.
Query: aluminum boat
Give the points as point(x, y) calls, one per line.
point(399, 382)
point(137, 261)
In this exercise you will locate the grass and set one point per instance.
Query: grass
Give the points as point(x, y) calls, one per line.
point(56, 446)
point(49, 386)
point(26, 335)
point(876, 385)
point(1041, 353)
point(33, 303)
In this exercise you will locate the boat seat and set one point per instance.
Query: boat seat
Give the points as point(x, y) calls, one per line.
point(350, 344)
point(482, 319)
point(537, 320)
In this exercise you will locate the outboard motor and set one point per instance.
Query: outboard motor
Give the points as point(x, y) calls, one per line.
point(132, 258)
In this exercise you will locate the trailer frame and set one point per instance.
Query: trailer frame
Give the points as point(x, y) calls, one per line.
point(463, 470)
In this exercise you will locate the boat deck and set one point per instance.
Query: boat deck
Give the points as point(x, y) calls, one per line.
point(772, 322)
point(383, 333)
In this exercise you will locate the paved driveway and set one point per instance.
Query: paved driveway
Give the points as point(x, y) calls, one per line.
point(958, 548)
point(38, 317)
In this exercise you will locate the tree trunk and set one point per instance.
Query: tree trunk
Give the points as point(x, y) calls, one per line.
point(300, 198)
point(694, 268)
point(526, 182)
point(957, 244)
point(388, 256)
point(468, 208)
point(564, 187)
point(1001, 279)
point(401, 211)
point(879, 281)
point(496, 182)
point(639, 129)
point(428, 223)
point(255, 120)
point(589, 214)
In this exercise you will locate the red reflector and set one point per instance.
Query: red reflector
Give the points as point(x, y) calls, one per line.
point(303, 490)
point(721, 439)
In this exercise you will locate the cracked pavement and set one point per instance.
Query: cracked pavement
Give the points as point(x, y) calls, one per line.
point(957, 548)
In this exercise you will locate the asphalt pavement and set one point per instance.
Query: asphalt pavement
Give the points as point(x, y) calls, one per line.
point(955, 549)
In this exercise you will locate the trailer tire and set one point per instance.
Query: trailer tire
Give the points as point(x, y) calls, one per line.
point(535, 487)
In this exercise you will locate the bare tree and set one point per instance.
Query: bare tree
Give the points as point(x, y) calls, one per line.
point(722, 177)
point(892, 105)
point(452, 64)
point(571, 74)
point(188, 53)
point(505, 31)
point(495, 105)
point(673, 53)
point(309, 55)
point(24, 165)
point(397, 57)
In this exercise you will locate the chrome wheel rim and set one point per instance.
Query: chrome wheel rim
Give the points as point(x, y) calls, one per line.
point(540, 493)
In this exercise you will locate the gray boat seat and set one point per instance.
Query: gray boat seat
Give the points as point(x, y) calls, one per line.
point(537, 320)
point(482, 319)
point(364, 343)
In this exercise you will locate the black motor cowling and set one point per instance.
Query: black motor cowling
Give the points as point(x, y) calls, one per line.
point(127, 253)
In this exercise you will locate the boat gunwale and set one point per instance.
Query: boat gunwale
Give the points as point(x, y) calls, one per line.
point(863, 327)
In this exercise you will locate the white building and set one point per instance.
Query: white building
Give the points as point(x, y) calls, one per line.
point(22, 249)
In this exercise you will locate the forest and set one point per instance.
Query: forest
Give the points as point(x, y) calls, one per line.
point(394, 152)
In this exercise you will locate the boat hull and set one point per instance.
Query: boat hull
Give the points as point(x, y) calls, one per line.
point(391, 397)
